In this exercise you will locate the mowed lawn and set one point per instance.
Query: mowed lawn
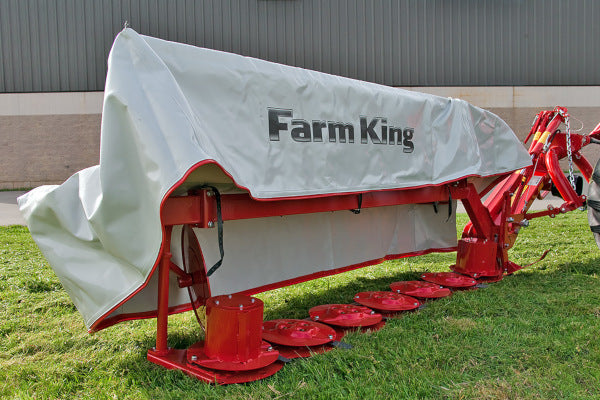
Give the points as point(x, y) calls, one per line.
point(534, 335)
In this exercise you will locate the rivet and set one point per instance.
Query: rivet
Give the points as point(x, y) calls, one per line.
point(330, 336)
point(209, 193)
point(270, 348)
point(241, 307)
point(210, 224)
point(252, 300)
point(316, 317)
point(229, 296)
point(194, 358)
point(217, 302)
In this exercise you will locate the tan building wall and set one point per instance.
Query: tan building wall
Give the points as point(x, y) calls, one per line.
point(45, 138)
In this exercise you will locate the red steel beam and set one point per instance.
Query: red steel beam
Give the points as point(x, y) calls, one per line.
point(201, 209)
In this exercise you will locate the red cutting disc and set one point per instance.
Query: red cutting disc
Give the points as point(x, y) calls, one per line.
point(421, 289)
point(450, 279)
point(344, 315)
point(266, 356)
point(297, 332)
point(387, 301)
point(177, 359)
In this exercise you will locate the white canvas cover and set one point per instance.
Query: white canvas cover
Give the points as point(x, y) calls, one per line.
point(275, 131)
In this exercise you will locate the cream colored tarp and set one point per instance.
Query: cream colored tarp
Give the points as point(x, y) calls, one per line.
point(277, 132)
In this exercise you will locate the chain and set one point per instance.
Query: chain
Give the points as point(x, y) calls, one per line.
point(569, 152)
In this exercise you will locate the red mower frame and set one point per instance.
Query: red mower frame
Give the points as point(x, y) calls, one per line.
point(482, 252)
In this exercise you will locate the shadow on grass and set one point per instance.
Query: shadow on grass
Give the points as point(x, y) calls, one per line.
point(590, 267)
point(527, 297)
point(297, 305)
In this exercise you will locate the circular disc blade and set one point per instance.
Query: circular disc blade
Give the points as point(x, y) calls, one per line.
point(193, 264)
point(344, 315)
point(231, 377)
point(450, 279)
point(387, 301)
point(297, 332)
point(420, 289)
point(197, 356)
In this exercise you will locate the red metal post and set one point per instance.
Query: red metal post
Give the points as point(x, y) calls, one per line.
point(162, 319)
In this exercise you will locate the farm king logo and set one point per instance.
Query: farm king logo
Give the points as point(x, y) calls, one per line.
point(374, 130)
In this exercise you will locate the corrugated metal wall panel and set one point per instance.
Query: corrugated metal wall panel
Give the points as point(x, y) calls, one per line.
point(62, 45)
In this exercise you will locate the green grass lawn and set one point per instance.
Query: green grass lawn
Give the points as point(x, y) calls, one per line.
point(535, 334)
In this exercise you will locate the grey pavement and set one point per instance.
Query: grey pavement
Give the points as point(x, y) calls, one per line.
point(10, 215)
point(9, 212)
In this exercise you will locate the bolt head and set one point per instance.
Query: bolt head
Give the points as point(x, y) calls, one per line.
point(194, 358)
point(210, 224)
